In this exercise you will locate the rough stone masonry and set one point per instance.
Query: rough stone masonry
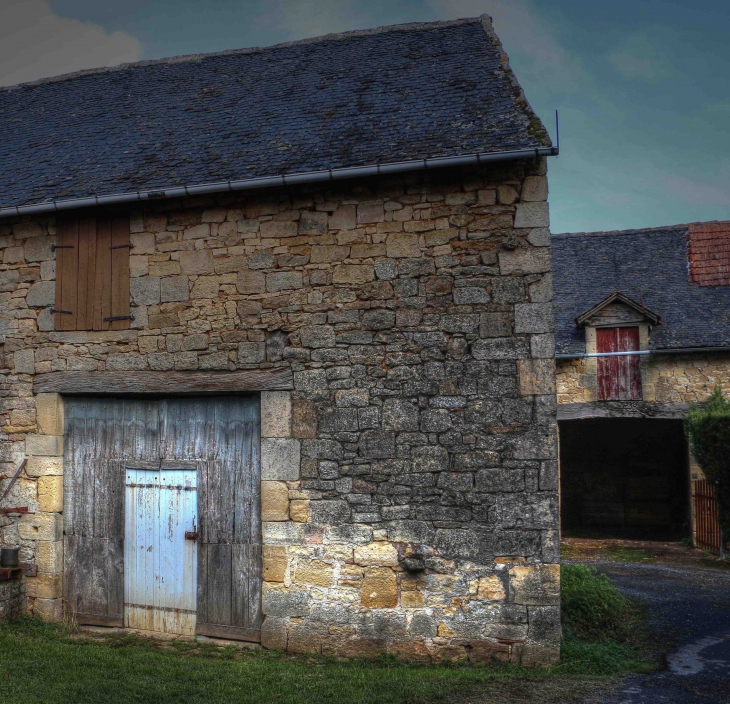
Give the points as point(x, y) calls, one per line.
point(409, 480)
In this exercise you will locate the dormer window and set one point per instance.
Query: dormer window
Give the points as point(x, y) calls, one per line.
point(615, 328)
point(619, 376)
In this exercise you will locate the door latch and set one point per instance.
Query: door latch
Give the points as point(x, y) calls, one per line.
point(191, 535)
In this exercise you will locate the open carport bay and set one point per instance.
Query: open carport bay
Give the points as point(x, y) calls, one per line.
point(624, 477)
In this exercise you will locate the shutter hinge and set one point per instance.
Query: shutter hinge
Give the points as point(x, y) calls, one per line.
point(121, 246)
point(54, 247)
point(66, 312)
point(117, 317)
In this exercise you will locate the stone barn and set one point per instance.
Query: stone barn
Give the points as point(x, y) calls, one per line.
point(277, 347)
point(642, 330)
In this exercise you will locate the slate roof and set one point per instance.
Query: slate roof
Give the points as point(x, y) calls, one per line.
point(391, 94)
point(649, 266)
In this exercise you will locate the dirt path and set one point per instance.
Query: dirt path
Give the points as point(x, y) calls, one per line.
point(670, 554)
point(690, 608)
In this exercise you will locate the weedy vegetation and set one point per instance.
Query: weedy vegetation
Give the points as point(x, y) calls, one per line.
point(49, 663)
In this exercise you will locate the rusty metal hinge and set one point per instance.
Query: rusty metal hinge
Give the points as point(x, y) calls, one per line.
point(54, 247)
point(65, 312)
point(122, 246)
point(118, 317)
point(191, 535)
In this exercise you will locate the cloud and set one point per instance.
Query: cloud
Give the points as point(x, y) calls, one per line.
point(299, 19)
point(641, 57)
point(698, 191)
point(528, 37)
point(37, 43)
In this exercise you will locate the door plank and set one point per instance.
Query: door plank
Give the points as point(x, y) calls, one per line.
point(202, 597)
point(221, 500)
point(246, 585)
point(247, 507)
point(219, 579)
point(204, 537)
point(628, 341)
point(108, 501)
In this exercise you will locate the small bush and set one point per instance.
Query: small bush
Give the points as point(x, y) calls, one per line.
point(708, 432)
point(593, 609)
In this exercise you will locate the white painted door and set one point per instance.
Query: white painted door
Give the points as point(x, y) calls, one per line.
point(160, 564)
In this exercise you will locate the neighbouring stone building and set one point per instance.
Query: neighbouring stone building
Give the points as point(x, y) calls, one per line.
point(657, 300)
point(341, 342)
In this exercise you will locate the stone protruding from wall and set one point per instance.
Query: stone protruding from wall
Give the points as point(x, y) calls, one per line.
point(409, 479)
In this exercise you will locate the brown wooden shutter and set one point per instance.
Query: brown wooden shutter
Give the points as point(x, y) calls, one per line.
point(120, 273)
point(67, 263)
point(92, 274)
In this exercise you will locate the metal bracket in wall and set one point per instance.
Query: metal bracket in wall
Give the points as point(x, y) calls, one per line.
point(122, 246)
point(54, 247)
point(65, 312)
point(14, 479)
point(118, 317)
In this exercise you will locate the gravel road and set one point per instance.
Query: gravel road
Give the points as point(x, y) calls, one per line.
point(691, 609)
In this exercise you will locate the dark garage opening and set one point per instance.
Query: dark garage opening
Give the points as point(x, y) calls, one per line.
point(624, 478)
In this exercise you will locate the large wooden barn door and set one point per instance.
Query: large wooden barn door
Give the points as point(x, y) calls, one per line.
point(219, 436)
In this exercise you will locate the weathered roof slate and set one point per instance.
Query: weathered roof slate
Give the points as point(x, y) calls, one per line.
point(391, 94)
point(651, 267)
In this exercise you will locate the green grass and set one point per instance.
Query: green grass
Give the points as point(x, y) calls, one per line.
point(604, 632)
point(626, 554)
point(41, 662)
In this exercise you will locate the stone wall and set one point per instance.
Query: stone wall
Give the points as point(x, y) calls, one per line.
point(10, 599)
point(416, 316)
point(689, 378)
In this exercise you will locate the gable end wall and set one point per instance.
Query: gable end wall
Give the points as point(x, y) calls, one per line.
point(416, 316)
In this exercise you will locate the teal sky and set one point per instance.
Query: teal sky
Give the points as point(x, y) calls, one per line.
point(641, 85)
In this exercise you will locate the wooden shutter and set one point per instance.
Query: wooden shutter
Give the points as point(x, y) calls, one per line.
point(619, 378)
point(92, 274)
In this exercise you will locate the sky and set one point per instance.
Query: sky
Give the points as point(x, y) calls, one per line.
point(641, 86)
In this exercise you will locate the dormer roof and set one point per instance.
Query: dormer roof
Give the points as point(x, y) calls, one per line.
point(652, 267)
point(622, 298)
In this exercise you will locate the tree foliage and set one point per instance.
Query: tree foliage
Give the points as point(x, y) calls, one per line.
point(708, 432)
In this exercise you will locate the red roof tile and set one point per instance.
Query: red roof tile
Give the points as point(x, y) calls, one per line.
point(708, 251)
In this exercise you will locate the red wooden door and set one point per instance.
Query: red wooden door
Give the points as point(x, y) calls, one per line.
point(619, 378)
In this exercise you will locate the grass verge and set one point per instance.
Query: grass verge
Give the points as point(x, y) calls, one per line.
point(627, 554)
point(42, 662)
point(604, 632)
